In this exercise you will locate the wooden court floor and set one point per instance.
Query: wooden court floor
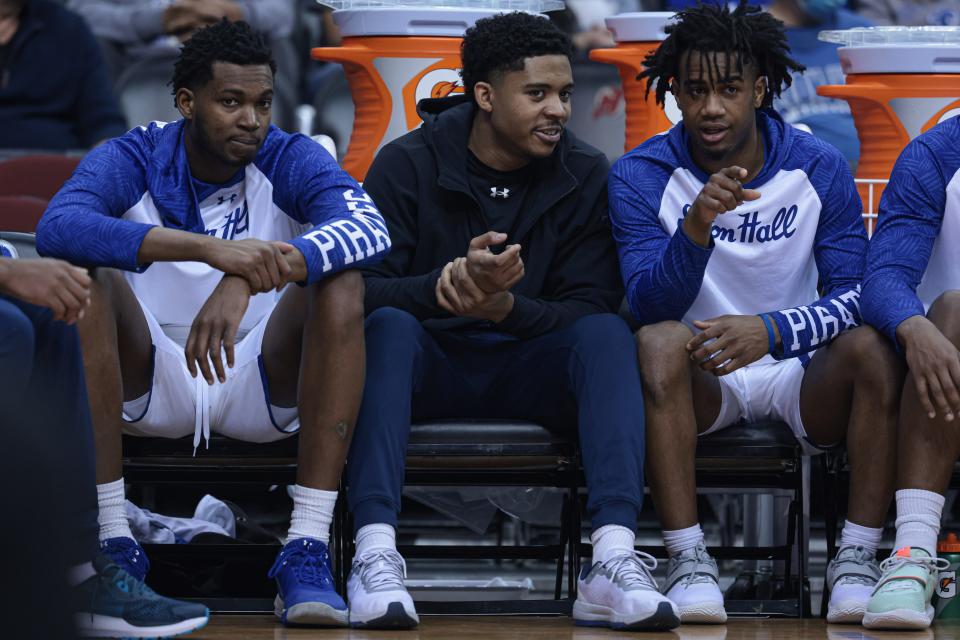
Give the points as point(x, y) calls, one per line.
point(530, 628)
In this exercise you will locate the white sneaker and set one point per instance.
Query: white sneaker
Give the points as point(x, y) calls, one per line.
point(693, 584)
point(851, 578)
point(622, 594)
point(377, 597)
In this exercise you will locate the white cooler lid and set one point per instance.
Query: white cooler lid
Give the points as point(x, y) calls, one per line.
point(897, 49)
point(646, 26)
point(448, 18)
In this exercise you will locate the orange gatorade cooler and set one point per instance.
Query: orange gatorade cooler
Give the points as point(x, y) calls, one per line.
point(637, 35)
point(395, 56)
point(901, 81)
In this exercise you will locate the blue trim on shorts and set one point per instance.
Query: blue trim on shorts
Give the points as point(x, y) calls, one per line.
point(266, 398)
point(153, 372)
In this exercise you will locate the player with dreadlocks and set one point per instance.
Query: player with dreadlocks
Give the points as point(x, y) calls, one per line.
point(724, 226)
point(193, 229)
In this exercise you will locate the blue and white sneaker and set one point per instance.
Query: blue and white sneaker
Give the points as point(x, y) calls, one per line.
point(127, 554)
point(114, 604)
point(622, 594)
point(378, 598)
point(305, 592)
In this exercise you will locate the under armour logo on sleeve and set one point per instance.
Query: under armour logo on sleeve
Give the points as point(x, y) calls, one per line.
point(499, 193)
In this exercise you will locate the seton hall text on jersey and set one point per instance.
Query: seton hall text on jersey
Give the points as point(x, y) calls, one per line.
point(236, 222)
point(751, 229)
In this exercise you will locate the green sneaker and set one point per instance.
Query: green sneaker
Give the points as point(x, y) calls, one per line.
point(901, 599)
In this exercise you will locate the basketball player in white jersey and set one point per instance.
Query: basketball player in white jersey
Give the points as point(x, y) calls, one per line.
point(224, 295)
point(724, 226)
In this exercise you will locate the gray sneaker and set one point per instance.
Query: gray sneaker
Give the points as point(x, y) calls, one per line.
point(377, 595)
point(851, 578)
point(693, 584)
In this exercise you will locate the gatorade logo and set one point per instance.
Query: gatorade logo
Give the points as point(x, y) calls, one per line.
point(439, 83)
point(947, 586)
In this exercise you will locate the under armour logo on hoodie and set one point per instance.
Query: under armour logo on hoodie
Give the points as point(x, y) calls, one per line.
point(499, 193)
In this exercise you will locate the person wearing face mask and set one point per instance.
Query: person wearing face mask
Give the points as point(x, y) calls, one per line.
point(828, 119)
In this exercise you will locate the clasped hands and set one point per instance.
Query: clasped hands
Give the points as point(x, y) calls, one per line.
point(478, 285)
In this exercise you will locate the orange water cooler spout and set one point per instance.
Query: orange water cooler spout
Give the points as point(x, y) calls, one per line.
point(900, 82)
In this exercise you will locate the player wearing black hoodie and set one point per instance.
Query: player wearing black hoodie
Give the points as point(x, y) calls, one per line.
point(498, 300)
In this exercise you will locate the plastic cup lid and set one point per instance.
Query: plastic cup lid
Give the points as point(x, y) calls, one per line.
point(879, 36)
point(530, 6)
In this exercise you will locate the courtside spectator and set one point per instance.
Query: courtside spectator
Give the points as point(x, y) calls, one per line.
point(141, 39)
point(54, 90)
point(828, 119)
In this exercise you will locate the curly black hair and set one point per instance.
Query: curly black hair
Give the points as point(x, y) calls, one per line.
point(224, 41)
point(502, 43)
point(745, 34)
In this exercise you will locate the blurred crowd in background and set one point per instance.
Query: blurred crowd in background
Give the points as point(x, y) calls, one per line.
point(76, 72)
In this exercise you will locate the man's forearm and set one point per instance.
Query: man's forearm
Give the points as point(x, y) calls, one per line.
point(6, 273)
point(171, 245)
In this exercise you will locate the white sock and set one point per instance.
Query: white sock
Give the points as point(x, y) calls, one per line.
point(374, 537)
point(112, 514)
point(611, 540)
point(312, 513)
point(918, 519)
point(679, 540)
point(80, 573)
point(855, 535)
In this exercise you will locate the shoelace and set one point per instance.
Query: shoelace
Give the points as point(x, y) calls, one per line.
point(306, 563)
point(382, 568)
point(123, 581)
point(700, 557)
point(131, 553)
point(859, 556)
point(895, 562)
point(632, 569)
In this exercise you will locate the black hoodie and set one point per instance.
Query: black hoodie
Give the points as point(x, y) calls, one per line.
point(419, 183)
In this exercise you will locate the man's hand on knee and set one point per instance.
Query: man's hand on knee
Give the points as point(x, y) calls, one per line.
point(215, 328)
point(54, 284)
point(728, 343)
point(934, 363)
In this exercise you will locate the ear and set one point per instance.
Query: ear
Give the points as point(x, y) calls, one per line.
point(184, 100)
point(483, 95)
point(759, 91)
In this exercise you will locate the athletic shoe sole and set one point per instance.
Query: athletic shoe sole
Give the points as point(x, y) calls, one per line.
point(846, 612)
point(703, 613)
point(595, 615)
point(899, 619)
point(98, 626)
point(313, 614)
point(396, 617)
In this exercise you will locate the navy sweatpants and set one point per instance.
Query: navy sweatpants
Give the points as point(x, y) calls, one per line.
point(580, 380)
point(45, 426)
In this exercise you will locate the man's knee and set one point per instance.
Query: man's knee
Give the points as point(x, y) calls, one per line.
point(873, 361)
point(392, 335)
point(945, 314)
point(600, 334)
point(663, 355)
point(341, 297)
